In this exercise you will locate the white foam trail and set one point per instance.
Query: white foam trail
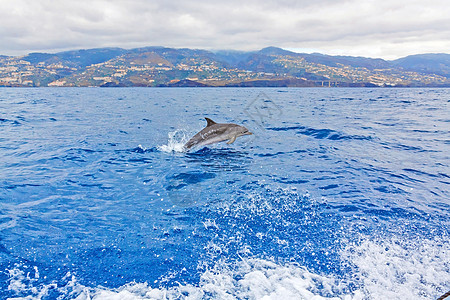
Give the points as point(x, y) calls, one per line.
point(247, 279)
point(176, 142)
point(382, 270)
point(21, 282)
point(401, 270)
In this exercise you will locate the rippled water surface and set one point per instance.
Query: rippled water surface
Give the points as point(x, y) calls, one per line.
point(339, 193)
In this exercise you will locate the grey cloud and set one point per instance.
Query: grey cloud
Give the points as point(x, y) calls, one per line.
point(355, 26)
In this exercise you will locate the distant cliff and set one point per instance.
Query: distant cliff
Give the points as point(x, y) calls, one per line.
point(275, 67)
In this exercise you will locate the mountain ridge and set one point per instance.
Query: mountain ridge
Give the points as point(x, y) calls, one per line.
point(270, 66)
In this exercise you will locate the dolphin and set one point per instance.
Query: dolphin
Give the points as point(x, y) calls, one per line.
point(215, 133)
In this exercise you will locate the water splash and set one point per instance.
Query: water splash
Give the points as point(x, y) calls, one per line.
point(246, 279)
point(176, 141)
point(400, 269)
point(383, 269)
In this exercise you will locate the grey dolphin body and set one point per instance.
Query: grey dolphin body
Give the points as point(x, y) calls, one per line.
point(215, 133)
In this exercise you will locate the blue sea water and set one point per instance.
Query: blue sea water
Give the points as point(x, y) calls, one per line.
point(338, 194)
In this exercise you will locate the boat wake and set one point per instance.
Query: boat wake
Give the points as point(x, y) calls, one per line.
point(380, 270)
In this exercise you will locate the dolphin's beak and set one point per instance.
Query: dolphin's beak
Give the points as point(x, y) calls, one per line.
point(249, 133)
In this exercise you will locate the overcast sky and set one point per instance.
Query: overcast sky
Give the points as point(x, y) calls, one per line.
point(372, 28)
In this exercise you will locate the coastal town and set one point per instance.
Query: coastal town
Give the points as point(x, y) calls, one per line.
point(154, 67)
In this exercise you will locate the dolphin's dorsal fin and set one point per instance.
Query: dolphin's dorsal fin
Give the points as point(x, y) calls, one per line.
point(209, 122)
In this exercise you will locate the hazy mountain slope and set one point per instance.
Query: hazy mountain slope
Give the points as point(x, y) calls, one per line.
point(436, 63)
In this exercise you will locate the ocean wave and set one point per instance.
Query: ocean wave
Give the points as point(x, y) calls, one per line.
point(246, 279)
point(142, 149)
point(400, 269)
point(381, 269)
point(321, 133)
point(178, 181)
point(9, 122)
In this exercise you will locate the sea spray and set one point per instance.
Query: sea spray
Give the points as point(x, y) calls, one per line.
point(176, 141)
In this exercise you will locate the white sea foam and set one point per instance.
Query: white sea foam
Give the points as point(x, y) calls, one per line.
point(399, 269)
point(381, 270)
point(176, 142)
point(248, 279)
